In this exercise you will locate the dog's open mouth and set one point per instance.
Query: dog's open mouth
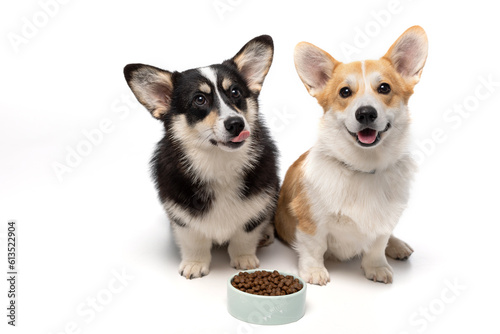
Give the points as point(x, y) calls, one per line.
point(369, 137)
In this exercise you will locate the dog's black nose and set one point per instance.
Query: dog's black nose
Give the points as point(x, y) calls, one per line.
point(234, 125)
point(366, 114)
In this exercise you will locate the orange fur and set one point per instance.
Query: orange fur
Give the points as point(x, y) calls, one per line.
point(351, 75)
point(211, 119)
point(293, 205)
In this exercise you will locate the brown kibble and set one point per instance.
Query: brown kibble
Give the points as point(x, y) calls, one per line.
point(266, 283)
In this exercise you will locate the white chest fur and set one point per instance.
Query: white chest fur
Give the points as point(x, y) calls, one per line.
point(222, 172)
point(228, 212)
point(351, 207)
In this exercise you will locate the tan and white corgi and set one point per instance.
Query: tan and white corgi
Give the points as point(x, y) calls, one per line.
point(346, 194)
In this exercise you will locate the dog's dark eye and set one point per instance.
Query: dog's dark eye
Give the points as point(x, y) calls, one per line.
point(384, 88)
point(199, 100)
point(345, 92)
point(235, 93)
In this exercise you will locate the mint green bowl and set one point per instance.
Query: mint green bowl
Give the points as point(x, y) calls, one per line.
point(266, 310)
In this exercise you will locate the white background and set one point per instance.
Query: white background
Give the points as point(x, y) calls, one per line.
point(103, 217)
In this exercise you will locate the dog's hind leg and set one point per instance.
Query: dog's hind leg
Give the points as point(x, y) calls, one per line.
point(267, 236)
point(398, 249)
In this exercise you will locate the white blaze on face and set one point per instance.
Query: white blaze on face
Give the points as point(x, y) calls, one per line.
point(367, 95)
point(224, 111)
point(365, 81)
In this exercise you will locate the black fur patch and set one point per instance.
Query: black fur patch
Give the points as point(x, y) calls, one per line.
point(186, 88)
point(229, 70)
point(177, 221)
point(265, 173)
point(256, 221)
point(173, 181)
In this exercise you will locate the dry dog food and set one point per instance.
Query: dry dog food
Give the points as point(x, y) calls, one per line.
point(266, 283)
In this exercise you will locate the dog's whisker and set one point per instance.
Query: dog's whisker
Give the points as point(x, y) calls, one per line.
point(201, 141)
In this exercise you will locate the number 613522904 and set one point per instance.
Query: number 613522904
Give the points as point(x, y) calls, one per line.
point(11, 245)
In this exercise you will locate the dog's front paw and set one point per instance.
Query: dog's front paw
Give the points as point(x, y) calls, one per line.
point(315, 275)
point(381, 274)
point(245, 262)
point(194, 269)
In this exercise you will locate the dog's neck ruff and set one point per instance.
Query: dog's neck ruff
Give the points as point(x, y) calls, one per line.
point(349, 167)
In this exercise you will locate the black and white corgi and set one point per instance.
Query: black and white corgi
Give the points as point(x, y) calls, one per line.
point(216, 167)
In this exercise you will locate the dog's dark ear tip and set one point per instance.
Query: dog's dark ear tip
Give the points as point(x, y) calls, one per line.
point(265, 39)
point(129, 69)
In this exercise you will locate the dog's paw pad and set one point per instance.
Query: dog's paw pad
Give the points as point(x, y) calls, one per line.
point(194, 269)
point(315, 275)
point(379, 274)
point(245, 262)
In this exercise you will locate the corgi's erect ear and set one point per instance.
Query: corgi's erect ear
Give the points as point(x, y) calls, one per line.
point(254, 60)
point(152, 87)
point(314, 66)
point(408, 53)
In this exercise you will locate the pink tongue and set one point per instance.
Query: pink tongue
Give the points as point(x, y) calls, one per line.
point(367, 136)
point(241, 137)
